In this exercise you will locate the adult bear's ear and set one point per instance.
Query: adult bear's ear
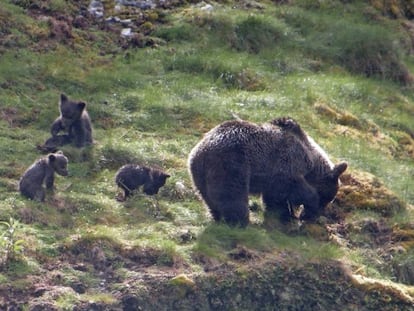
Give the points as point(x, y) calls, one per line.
point(339, 169)
point(164, 176)
point(63, 97)
point(81, 106)
point(52, 157)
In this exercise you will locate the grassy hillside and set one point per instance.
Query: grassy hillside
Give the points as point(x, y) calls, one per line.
point(342, 69)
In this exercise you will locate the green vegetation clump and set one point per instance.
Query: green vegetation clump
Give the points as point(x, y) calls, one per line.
point(11, 247)
point(256, 33)
point(364, 49)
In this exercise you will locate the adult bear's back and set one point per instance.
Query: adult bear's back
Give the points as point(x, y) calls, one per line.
point(267, 148)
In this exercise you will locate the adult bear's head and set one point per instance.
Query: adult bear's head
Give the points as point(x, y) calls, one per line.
point(327, 184)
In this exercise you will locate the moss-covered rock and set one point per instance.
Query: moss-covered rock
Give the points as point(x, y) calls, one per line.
point(363, 191)
point(404, 235)
point(395, 8)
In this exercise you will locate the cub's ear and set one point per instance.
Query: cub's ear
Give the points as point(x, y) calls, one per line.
point(167, 175)
point(52, 157)
point(339, 169)
point(81, 106)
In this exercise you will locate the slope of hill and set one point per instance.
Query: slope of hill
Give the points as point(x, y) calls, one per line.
point(155, 77)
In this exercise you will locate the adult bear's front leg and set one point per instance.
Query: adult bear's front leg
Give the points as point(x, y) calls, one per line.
point(276, 196)
point(277, 206)
point(303, 193)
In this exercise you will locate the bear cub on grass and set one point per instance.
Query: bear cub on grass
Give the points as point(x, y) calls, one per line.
point(74, 122)
point(277, 160)
point(42, 172)
point(131, 176)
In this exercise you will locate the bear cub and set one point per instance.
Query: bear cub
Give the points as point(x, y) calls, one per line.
point(131, 176)
point(74, 122)
point(42, 172)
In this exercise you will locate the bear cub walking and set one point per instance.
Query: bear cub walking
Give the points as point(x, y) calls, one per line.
point(42, 172)
point(131, 176)
point(277, 160)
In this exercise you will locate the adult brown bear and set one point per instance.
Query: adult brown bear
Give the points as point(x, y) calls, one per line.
point(277, 160)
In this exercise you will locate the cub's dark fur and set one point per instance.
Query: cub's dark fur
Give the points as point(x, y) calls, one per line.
point(74, 121)
point(53, 143)
point(131, 176)
point(277, 160)
point(42, 172)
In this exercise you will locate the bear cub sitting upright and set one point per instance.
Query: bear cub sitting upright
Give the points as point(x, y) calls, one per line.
point(42, 171)
point(74, 119)
point(131, 176)
point(74, 122)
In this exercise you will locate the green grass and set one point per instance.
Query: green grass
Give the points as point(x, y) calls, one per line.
point(152, 106)
point(218, 240)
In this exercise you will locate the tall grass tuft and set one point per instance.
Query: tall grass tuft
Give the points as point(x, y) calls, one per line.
point(369, 50)
point(177, 33)
point(256, 33)
point(230, 74)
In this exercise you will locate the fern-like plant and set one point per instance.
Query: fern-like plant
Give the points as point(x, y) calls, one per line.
point(10, 246)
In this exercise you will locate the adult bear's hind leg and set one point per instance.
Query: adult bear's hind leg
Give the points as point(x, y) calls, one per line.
point(227, 190)
point(232, 206)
